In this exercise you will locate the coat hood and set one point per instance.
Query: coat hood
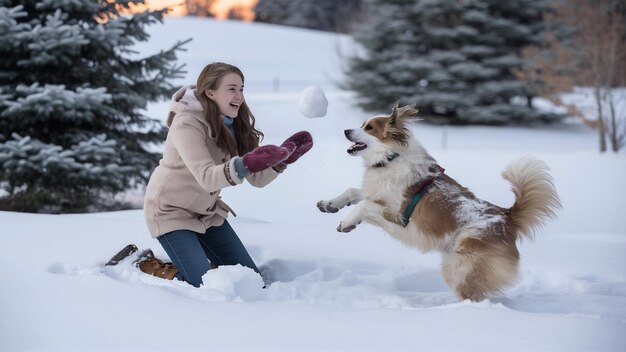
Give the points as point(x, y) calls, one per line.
point(184, 99)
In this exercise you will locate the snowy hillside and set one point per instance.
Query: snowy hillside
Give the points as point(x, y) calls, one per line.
point(331, 291)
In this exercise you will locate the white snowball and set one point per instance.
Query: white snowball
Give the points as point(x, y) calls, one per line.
point(313, 102)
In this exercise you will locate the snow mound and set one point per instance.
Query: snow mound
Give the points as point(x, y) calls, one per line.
point(233, 283)
point(312, 102)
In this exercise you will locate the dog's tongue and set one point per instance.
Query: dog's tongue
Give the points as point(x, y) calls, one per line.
point(356, 147)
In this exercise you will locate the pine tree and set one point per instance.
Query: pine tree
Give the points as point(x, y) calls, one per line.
point(310, 14)
point(325, 15)
point(272, 11)
point(453, 59)
point(72, 91)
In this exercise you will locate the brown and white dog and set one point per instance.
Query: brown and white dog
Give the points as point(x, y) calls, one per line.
point(477, 239)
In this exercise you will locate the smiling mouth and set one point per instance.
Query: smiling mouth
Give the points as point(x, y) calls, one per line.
point(356, 147)
point(236, 106)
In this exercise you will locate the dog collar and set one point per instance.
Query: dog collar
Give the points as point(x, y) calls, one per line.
point(389, 159)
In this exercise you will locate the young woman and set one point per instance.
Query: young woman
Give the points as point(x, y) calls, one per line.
point(212, 143)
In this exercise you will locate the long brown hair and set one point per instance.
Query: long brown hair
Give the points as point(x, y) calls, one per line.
point(248, 137)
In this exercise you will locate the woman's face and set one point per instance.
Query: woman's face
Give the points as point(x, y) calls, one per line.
point(229, 94)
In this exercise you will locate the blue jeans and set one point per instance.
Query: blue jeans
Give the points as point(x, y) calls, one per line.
point(189, 251)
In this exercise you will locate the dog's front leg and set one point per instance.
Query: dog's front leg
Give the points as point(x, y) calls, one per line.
point(349, 197)
point(353, 219)
point(367, 210)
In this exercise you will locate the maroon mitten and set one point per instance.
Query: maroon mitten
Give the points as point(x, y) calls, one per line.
point(303, 142)
point(263, 157)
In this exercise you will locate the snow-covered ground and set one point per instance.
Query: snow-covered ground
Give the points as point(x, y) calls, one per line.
point(332, 291)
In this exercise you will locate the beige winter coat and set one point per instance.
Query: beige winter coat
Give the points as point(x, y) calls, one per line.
point(184, 190)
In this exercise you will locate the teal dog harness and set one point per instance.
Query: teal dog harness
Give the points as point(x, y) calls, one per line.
point(420, 189)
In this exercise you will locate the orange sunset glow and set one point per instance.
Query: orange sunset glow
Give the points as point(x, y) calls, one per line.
point(221, 9)
point(177, 7)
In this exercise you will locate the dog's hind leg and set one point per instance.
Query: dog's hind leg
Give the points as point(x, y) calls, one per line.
point(479, 267)
point(460, 273)
point(348, 197)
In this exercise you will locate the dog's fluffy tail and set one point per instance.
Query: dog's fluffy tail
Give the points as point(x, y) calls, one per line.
point(536, 198)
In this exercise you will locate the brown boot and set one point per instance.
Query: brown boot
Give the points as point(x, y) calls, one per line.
point(155, 267)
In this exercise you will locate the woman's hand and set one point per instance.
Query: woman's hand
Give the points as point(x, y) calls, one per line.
point(266, 156)
point(302, 141)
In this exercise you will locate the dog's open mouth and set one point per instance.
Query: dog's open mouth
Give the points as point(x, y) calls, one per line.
point(358, 146)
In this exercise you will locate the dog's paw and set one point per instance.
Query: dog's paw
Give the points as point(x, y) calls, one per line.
point(345, 228)
point(326, 207)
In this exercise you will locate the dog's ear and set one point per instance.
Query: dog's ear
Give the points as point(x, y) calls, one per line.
point(396, 127)
point(407, 112)
point(402, 112)
point(394, 115)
